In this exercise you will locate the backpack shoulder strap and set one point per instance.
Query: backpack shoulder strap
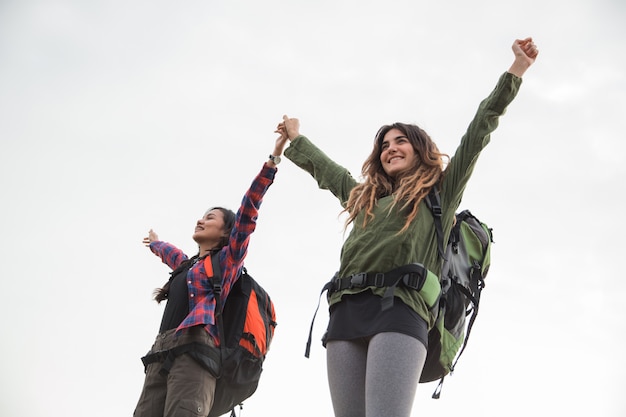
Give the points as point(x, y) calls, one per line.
point(433, 201)
point(327, 287)
point(214, 272)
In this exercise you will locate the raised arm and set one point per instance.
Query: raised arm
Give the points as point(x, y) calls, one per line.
point(328, 174)
point(484, 123)
point(245, 221)
point(232, 257)
point(169, 254)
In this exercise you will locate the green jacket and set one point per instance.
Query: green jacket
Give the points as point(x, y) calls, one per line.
point(378, 247)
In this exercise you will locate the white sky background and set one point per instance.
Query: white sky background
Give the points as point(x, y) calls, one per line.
point(116, 117)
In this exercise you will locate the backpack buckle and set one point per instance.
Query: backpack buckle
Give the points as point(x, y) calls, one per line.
point(413, 280)
point(379, 280)
point(357, 280)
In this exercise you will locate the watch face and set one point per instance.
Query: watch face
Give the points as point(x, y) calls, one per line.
point(275, 159)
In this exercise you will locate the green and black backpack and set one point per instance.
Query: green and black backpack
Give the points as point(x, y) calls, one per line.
point(465, 263)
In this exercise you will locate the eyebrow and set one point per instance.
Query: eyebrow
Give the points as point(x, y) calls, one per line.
point(395, 137)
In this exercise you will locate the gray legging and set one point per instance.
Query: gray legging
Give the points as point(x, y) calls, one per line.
point(376, 378)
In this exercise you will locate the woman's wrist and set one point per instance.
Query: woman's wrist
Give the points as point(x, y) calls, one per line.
point(519, 68)
point(274, 159)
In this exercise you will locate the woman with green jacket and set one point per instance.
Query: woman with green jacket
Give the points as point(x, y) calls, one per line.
point(376, 340)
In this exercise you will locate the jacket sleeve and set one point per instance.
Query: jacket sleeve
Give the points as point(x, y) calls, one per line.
point(475, 139)
point(328, 174)
point(231, 259)
point(169, 254)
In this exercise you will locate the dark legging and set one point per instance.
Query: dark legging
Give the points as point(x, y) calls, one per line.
point(376, 377)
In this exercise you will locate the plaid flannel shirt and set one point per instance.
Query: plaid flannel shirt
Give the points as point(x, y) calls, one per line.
point(231, 257)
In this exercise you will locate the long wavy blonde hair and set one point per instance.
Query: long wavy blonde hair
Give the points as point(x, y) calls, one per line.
point(409, 188)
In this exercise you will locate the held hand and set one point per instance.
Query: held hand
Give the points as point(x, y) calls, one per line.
point(525, 52)
point(279, 145)
point(292, 126)
point(152, 237)
point(282, 131)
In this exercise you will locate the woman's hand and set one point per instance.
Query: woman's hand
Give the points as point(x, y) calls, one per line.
point(525, 52)
point(152, 237)
point(280, 129)
point(280, 143)
point(291, 126)
point(288, 129)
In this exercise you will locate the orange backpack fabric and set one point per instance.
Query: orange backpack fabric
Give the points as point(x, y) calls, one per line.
point(246, 323)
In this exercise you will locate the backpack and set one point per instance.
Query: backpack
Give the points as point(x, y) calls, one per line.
point(246, 326)
point(465, 263)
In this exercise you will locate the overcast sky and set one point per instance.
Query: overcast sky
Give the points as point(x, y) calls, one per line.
point(121, 116)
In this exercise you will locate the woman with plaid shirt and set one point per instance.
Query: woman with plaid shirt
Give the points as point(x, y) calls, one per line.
point(184, 387)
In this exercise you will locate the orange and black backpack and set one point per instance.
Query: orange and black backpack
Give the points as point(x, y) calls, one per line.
point(246, 323)
point(246, 326)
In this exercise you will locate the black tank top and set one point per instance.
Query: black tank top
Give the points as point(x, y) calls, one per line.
point(177, 305)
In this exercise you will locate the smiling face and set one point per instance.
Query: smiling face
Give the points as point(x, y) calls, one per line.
point(397, 153)
point(209, 229)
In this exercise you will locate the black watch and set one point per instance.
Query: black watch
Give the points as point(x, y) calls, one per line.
point(275, 159)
